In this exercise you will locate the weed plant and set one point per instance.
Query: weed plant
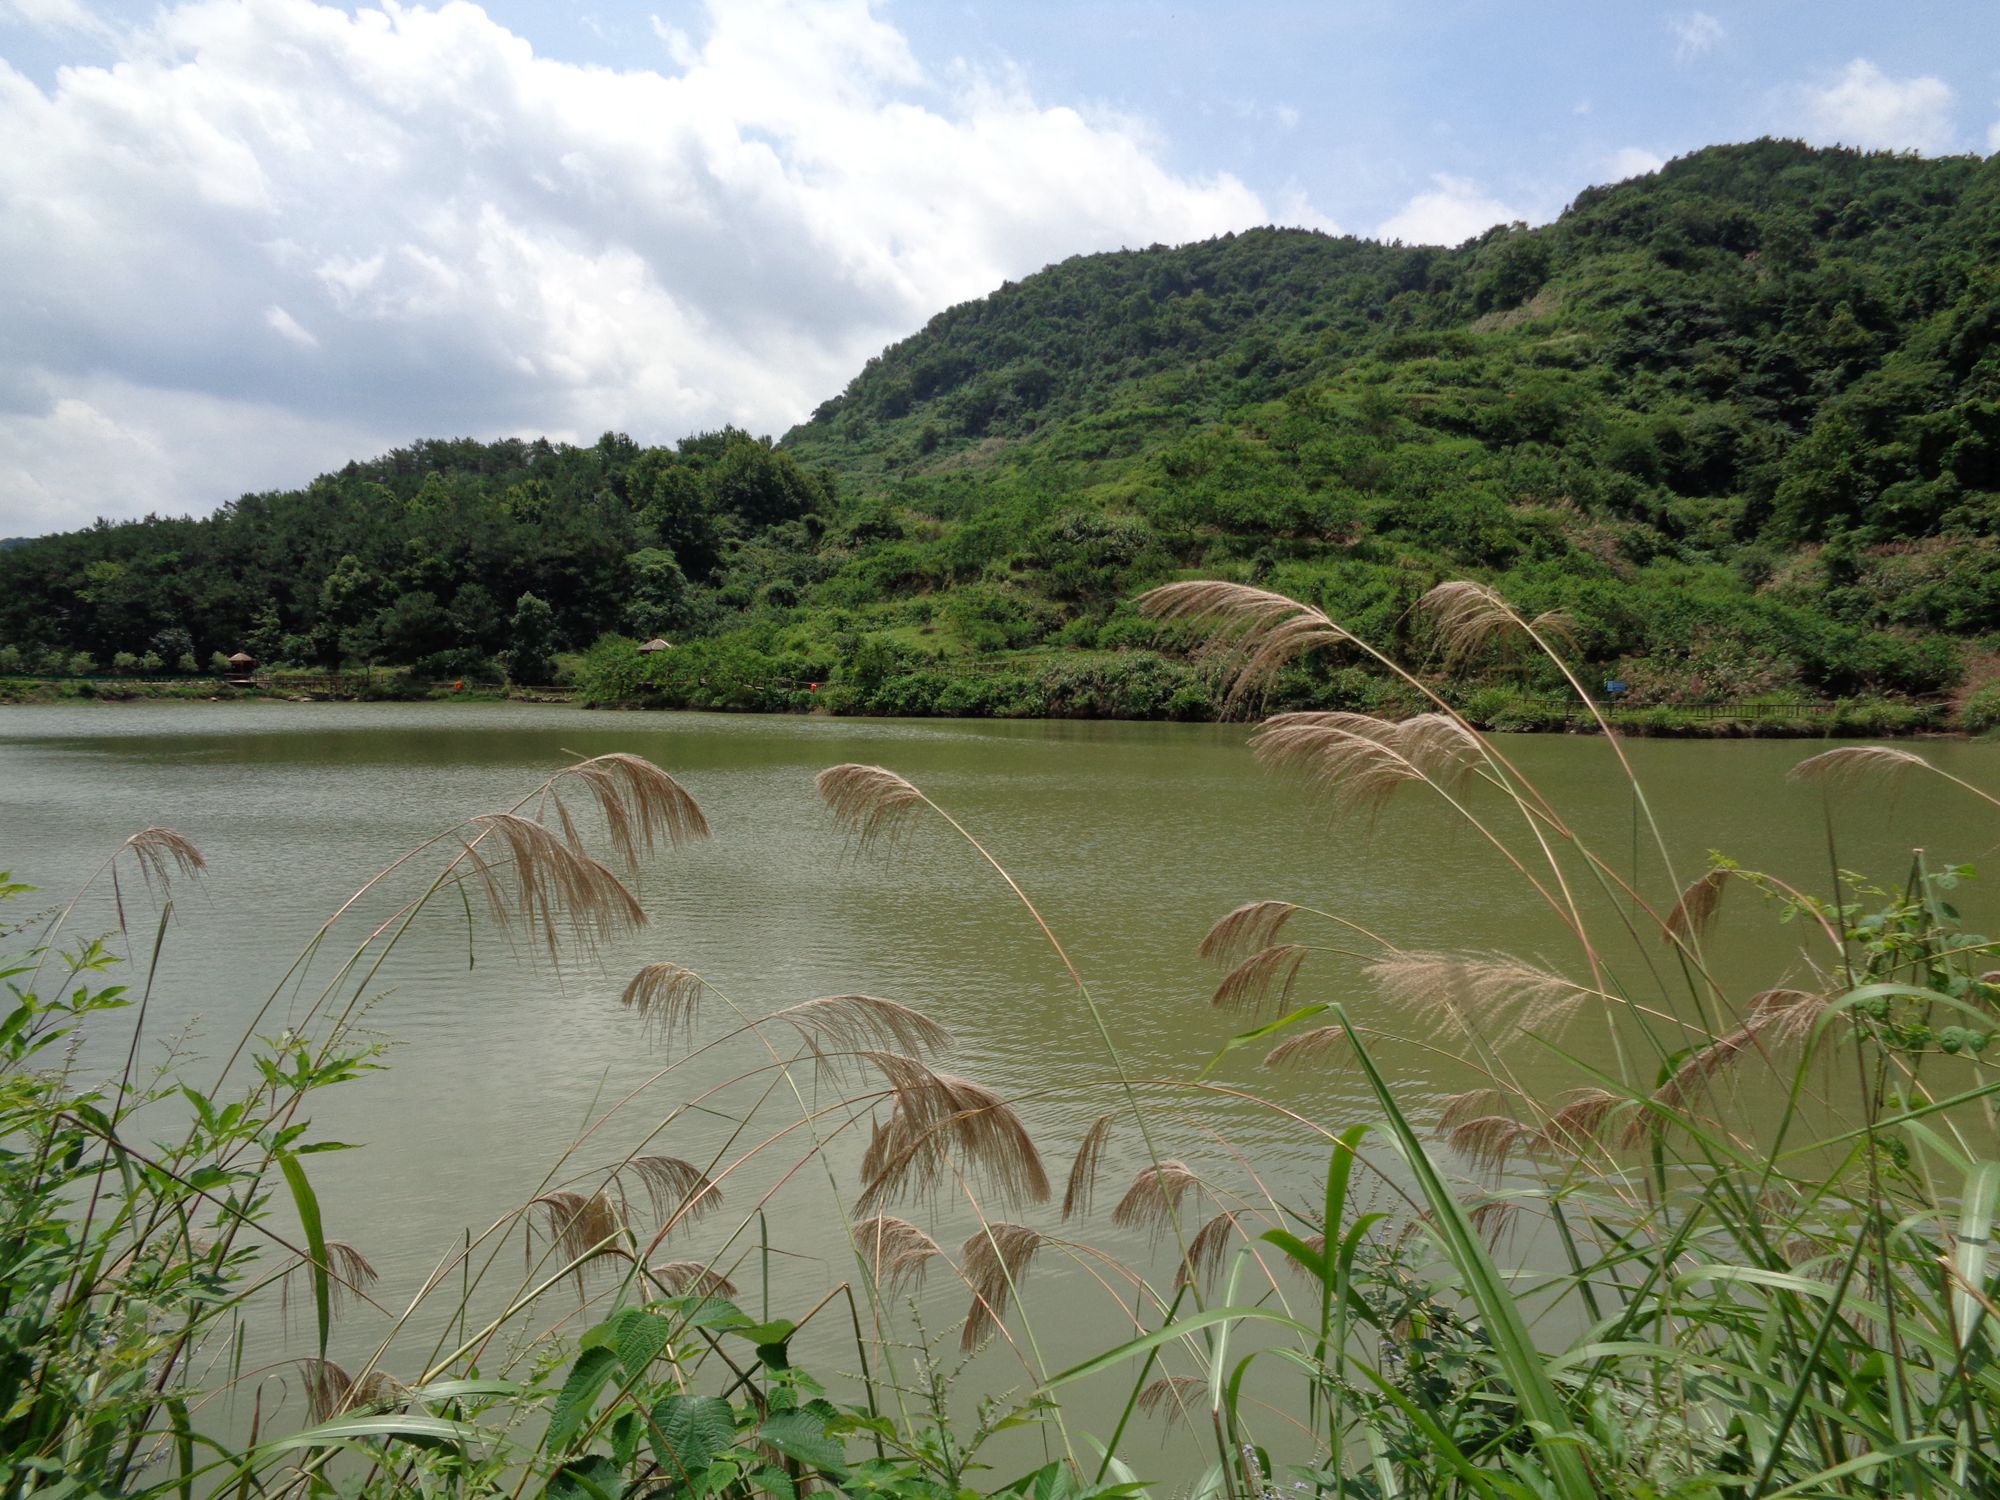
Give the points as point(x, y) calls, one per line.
point(1754, 1250)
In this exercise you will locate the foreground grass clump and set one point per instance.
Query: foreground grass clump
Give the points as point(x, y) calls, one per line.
point(1745, 1253)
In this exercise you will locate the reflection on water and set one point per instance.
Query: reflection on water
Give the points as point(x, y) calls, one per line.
point(1132, 838)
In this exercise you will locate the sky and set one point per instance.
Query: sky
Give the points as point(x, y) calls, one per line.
point(247, 240)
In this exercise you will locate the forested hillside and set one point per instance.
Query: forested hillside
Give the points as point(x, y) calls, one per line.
point(1740, 418)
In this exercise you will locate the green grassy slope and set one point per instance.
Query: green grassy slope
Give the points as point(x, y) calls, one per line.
point(1739, 418)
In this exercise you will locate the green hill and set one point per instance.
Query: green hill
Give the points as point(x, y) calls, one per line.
point(1741, 418)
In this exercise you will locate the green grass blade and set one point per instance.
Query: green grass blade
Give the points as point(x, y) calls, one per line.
point(1556, 1436)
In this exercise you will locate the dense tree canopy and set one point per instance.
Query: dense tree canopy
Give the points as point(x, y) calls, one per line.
point(1740, 418)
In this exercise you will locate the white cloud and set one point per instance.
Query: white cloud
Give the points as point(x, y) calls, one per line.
point(1865, 107)
point(1696, 34)
point(361, 228)
point(1632, 161)
point(1453, 212)
point(1295, 210)
point(1288, 116)
point(1993, 137)
point(53, 16)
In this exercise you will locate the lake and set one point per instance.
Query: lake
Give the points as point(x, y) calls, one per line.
point(1132, 838)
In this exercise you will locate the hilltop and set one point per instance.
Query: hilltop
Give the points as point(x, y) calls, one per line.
point(1740, 418)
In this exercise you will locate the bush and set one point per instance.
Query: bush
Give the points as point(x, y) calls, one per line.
point(1980, 712)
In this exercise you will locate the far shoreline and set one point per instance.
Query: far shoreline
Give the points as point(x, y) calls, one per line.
point(1853, 719)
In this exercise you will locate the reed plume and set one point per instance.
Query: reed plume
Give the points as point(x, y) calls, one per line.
point(1488, 1141)
point(584, 1227)
point(1173, 1396)
point(994, 1263)
point(936, 1117)
point(1354, 772)
point(539, 877)
point(690, 1278)
point(1469, 617)
point(1154, 1196)
point(678, 1190)
point(640, 804)
point(1206, 1249)
point(161, 854)
point(1251, 982)
point(868, 801)
point(330, 1390)
point(1323, 1044)
point(1688, 1082)
point(896, 1250)
point(1577, 1127)
point(1488, 994)
point(1268, 629)
point(1082, 1186)
point(1786, 1016)
point(666, 996)
point(349, 1275)
point(1849, 764)
point(1253, 925)
point(1459, 1108)
point(1698, 906)
point(852, 1023)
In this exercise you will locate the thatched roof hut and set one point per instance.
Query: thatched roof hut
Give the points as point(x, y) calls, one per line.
point(656, 644)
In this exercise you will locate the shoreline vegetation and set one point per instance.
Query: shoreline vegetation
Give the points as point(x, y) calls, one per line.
point(1746, 1256)
point(1738, 420)
point(1070, 690)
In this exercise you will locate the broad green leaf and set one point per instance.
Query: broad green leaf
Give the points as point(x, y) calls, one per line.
point(579, 1394)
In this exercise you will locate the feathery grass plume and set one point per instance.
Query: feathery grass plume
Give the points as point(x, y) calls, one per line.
point(897, 1251)
point(1470, 616)
point(1250, 983)
point(641, 804)
point(1488, 1141)
point(1491, 993)
point(938, 1116)
point(868, 801)
point(349, 1274)
point(330, 1390)
point(1355, 772)
point(994, 1262)
point(1459, 1108)
point(161, 854)
point(1323, 1044)
point(1855, 763)
point(582, 1227)
point(690, 1278)
point(1678, 1095)
point(1253, 925)
point(538, 876)
point(1174, 1396)
point(327, 1388)
point(676, 1187)
point(1785, 1016)
point(1696, 910)
point(1268, 629)
point(1206, 1249)
point(854, 1022)
point(1576, 1127)
point(1154, 1196)
point(1082, 1185)
point(665, 995)
point(1492, 1219)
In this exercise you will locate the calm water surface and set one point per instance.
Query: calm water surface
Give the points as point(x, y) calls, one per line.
point(1132, 837)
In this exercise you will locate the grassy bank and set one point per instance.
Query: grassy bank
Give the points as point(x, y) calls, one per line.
point(1746, 1254)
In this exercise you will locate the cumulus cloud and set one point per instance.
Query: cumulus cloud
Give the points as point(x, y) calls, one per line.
point(1455, 210)
point(352, 229)
point(1696, 34)
point(1632, 161)
point(1993, 136)
point(1865, 107)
